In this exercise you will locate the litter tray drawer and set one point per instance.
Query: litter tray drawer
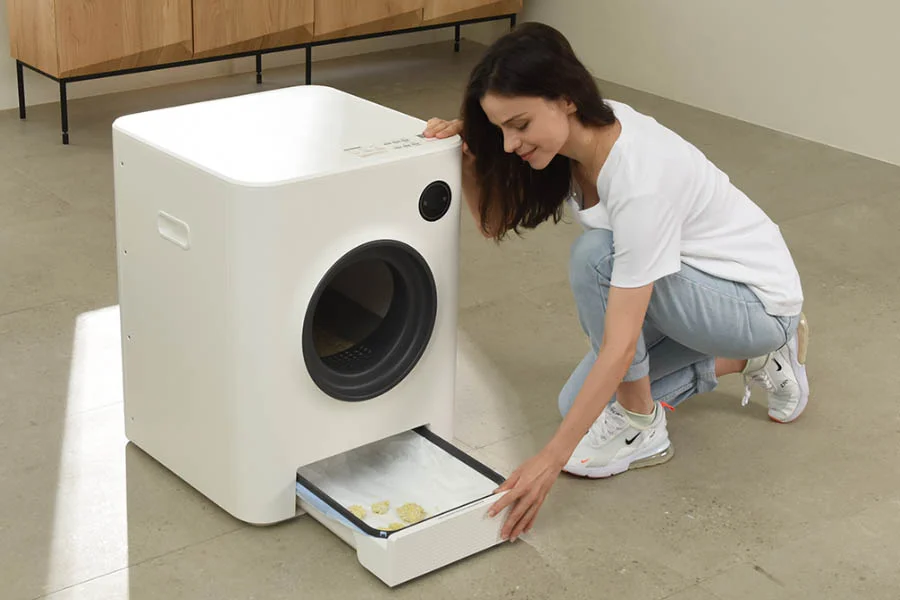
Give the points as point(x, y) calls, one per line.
point(407, 473)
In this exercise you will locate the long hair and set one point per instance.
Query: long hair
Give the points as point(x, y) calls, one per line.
point(532, 60)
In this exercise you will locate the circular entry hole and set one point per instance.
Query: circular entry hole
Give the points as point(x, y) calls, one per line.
point(352, 308)
point(369, 321)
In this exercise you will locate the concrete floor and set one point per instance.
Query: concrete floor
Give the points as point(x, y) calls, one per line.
point(746, 509)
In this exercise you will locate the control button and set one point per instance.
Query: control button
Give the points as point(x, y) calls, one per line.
point(435, 201)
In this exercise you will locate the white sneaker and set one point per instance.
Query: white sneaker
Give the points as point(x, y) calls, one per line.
point(783, 375)
point(614, 445)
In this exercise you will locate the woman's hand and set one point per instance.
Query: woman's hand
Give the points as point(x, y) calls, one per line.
point(527, 488)
point(440, 128)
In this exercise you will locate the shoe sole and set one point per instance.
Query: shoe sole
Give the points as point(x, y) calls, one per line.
point(799, 367)
point(656, 457)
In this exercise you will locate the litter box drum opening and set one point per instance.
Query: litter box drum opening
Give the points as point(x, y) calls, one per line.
point(369, 320)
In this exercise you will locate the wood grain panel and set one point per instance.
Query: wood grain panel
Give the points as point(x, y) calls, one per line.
point(344, 18)
point(32, 33)
point(447, 11)
point(231, 26)
point(103, 35)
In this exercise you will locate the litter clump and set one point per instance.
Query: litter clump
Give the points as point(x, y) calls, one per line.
point(380, 508)
point(358, 510)
point(411, 512)
point(395, 526)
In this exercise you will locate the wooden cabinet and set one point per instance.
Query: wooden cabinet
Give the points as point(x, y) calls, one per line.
point(346, 18)
point(32, 33)
point(449, 11)
point(108, 35)
point(233, 26)
point(75, 40)
point(68, 38)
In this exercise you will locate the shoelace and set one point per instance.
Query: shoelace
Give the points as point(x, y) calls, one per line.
point(762, 378)
point(612, 422)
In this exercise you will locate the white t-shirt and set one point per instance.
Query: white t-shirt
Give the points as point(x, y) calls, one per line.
point(667, 204)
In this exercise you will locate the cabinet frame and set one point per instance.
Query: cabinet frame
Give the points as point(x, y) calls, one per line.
point(63, 82)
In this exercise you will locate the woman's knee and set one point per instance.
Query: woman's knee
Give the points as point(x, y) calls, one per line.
point(591, 259)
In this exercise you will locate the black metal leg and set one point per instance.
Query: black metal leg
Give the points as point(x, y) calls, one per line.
point(308, 65)
point(512, 22)
point(20, 79)
point(258, 69)
point(456, 40)
point(64, 111)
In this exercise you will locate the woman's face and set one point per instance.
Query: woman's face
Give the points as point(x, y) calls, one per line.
point(534, 128)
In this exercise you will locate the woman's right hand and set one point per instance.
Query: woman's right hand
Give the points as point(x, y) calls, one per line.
point(440, 128)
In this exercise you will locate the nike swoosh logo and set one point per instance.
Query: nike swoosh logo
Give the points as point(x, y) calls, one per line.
point(631, 441)
point(777, 364)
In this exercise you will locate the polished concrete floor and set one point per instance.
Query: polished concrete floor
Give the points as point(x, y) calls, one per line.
point(746, 509)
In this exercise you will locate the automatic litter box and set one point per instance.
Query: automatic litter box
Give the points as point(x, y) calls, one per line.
point(288, 275)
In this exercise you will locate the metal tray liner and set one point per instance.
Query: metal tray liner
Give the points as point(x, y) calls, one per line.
point(433, 472)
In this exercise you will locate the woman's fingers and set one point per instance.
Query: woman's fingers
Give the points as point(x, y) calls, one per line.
point(430, 126)
point(528, 522)
point(434, 126)
point(516, 520)
point(510, 496)
point(440, 128)
point(509, 484)
point(446, 129)
point(525, 523)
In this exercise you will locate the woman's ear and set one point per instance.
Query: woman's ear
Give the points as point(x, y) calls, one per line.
point(564, 105)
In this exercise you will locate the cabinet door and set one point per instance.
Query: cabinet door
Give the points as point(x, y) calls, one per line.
point(32, 33)
point(344, 18)
point(108, 35)
point(231, 26)
point(445, 11)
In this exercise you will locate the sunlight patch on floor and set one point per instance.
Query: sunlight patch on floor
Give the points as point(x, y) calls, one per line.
point(90, 529)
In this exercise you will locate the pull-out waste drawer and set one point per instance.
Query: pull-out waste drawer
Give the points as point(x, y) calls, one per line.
point(408, 504)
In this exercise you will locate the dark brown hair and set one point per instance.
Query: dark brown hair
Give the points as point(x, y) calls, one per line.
point(532, 60)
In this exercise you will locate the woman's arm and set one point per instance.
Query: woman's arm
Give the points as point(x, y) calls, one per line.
point(528, 486)
point(624, 322)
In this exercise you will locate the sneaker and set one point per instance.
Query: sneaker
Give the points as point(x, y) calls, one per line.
point(614, 445)
point(783, 375)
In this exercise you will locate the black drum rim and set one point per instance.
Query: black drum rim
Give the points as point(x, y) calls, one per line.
point(413, 313)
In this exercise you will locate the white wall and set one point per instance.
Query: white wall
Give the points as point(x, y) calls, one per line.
point(39, 89)
point(824, 70)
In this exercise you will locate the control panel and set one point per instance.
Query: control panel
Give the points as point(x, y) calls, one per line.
point(395, 144)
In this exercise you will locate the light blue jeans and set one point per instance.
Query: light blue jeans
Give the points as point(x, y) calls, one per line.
point(692, 318)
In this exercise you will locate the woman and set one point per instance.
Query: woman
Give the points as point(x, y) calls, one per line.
point(679, 278)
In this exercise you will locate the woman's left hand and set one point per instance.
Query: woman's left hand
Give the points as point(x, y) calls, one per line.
point(527, 488)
